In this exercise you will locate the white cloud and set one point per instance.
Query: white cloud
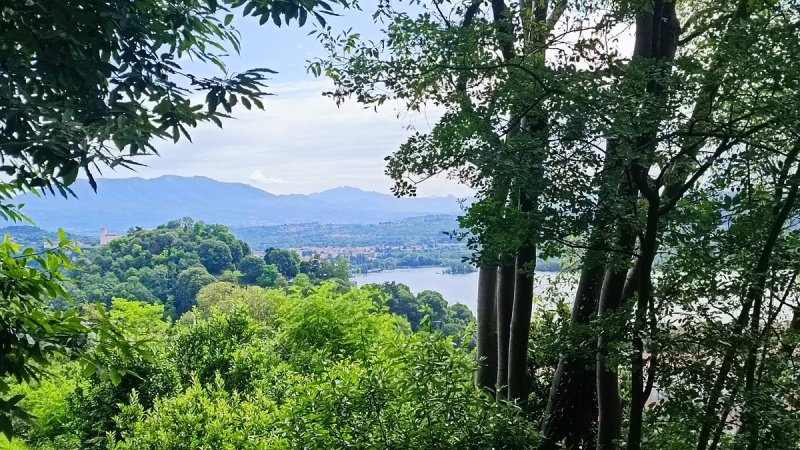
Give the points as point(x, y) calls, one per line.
point(260, 178)
point(301, 143)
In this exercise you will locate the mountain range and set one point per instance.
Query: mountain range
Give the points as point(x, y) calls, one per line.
point(120, 204)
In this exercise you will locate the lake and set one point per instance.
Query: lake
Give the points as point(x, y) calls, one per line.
point(459, 288)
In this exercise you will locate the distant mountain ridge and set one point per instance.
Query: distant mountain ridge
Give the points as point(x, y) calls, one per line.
point(120, 204)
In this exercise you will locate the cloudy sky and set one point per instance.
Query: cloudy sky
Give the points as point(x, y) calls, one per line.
point(302, 142)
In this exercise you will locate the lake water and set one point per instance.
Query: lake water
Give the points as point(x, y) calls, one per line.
point(459, 288)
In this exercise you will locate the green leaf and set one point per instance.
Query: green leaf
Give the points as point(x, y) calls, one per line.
point(115, 377)
point(89, 369)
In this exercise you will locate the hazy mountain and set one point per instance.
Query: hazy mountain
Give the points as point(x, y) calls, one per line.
point(123, 203)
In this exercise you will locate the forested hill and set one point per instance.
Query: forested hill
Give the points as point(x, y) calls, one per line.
point(424, 230)
point(120, 204)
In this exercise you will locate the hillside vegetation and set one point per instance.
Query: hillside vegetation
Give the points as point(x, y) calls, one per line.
point(320, 366)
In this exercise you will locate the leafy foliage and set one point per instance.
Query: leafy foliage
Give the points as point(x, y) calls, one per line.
point(428, 309)
point(167, 265)
point(323, 370)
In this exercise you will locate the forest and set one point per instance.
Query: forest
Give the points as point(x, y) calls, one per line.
point(651, 147)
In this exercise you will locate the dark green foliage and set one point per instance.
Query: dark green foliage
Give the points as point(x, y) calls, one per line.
point(94, 403)
point(271, 277)
point(457, 320)
point(452, 320)
point(252, 268)
point(166, 265)
point(434, 305)
point(401, 301)
point(319, 269)
point(216, 256)
point(287, 261)
point(187, 285)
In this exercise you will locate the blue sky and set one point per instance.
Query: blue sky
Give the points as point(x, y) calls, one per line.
point(302, 142)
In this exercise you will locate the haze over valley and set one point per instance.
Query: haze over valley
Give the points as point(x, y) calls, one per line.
point(120, 204)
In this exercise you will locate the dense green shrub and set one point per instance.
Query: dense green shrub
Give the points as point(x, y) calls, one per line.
point(337, 324)
point(251, 368)
point(205, 349)
point(419, 396)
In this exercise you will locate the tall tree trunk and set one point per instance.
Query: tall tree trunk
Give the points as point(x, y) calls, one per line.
point(518, 384)
point(572, 376)
point(505, 306)
point(609, 401)
point(749, 430)
point(571, 406)
point(639, 392)
point(487, 329)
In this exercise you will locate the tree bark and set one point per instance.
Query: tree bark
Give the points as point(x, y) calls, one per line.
point(518, 385)
point(487, 329)
point(609, 401)
point(505, 306)
point(571, 406)
point(643, 303)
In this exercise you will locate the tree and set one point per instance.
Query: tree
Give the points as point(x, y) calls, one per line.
point(436, 304)
point(324, 269)
point(401, 301)
point(287, 261)
point(187, 285)
point(271, 277)
point(215, 255)
point(577, 149)
point(252, 267)
point(97, 83)
point(109, 81)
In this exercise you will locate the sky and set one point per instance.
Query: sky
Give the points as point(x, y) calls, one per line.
point(302, 142)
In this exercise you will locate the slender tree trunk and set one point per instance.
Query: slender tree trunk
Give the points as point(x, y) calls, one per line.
point(749, 430)
point(487, 329)
point(518, 384)
point(643, 304)
point(726, 410)
point(649, 44)
point(609, 401)
point(505, 306)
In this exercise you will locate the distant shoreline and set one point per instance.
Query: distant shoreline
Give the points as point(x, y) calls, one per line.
point(432, 266)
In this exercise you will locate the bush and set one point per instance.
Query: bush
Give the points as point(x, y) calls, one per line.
point(206, 348)
point(336, 324)
point(418, 396)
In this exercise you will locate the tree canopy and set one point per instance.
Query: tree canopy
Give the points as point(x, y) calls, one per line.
point(641, 163)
